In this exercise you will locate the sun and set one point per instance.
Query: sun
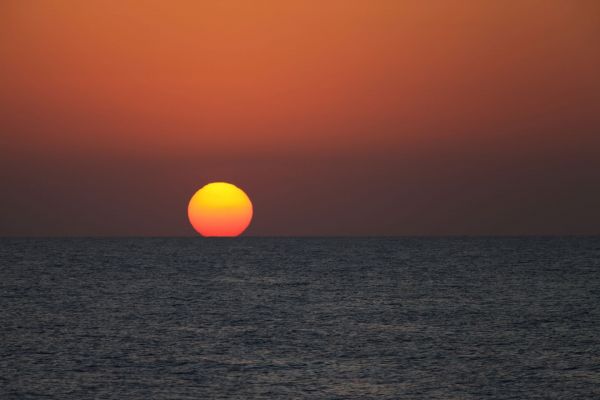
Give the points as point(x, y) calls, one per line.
point(220, 209)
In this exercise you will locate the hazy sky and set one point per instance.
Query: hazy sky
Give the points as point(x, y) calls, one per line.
point(336, 117)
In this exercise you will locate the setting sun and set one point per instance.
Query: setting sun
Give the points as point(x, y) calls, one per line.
point(220, 209)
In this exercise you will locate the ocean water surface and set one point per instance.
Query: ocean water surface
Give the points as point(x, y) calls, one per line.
point(313, 318)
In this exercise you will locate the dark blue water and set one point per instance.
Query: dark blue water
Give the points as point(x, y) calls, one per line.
point(258, 318)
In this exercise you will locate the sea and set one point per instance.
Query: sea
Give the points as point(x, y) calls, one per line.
point(300, 318)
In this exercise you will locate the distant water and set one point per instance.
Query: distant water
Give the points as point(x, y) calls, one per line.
point(260, 318)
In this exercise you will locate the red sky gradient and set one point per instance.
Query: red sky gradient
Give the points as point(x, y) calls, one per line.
point(336, 117)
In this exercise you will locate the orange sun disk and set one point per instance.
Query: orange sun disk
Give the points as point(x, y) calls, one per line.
point(220, 209)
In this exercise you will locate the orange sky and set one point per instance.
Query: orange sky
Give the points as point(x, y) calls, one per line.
point(337, 117)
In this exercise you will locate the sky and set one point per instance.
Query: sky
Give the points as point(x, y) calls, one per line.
point(346, 117)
